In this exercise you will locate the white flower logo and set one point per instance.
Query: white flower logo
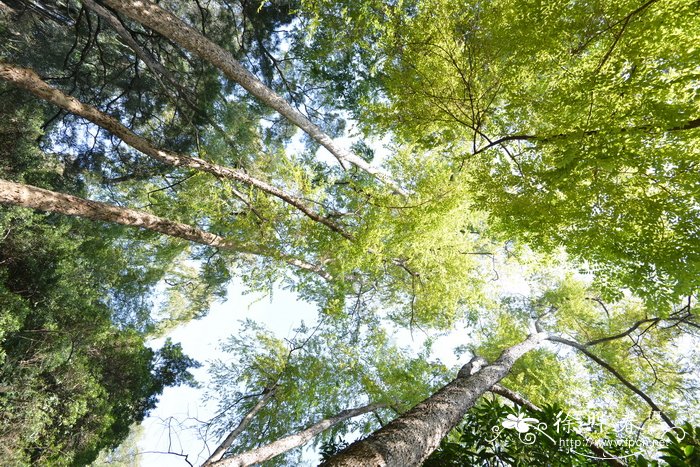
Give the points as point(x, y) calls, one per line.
point(519, 422)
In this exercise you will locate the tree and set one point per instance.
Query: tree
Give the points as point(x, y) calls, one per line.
point(581, 134)
point(75, 372)
point(507, 144)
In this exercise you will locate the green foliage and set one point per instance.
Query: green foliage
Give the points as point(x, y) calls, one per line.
point(73, 379)
point(596, 110)
point(321, 371)
point(683, 446)
point(75, 372)
point(581, 132)
point(551, 438)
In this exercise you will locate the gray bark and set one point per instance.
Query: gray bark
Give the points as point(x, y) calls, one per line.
point(168, 25)
point(412, 437)
point(245, 421)
point(287, 443)
point(32, 197)
point(30, 81)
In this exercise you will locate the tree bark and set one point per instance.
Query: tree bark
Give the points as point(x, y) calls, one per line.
point(32, 197)
point(412, 437)
point(245, 421)
point(29, 196)
point(287, 443)
point(168, 25)
point(30, 81)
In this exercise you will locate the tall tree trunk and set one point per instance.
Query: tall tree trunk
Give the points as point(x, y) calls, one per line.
point(287, 443)
point(29, 196)
point(32, 197)
point(30, 81)
point(245, 421)
point(412, 437)
point(168, 25)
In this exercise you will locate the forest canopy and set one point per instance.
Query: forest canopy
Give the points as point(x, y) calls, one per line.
point(521, 174)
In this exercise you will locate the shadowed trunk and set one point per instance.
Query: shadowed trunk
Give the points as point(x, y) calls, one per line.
point(412, 437)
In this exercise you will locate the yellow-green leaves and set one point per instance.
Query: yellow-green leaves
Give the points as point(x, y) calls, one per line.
point(577, 123)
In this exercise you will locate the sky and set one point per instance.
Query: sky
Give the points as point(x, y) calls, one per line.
point(200, 340)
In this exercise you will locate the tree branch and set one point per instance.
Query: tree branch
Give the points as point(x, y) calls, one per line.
point(616, 374)
point(153, 16)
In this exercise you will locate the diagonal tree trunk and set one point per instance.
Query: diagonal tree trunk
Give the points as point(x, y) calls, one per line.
point(287, 443)
point(168, 25)
point(32, 197)
point(245, 421)
point(412, 437)
point(30, 81)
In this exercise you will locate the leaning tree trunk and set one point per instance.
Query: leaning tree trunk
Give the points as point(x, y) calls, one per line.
point(287, 443)
point(32, 197)
point(27, 79)
point(29, 196)
point(412, 437)
point(242, 425)
point(168, 25)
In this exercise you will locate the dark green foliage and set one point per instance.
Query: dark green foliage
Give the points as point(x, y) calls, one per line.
point(332, 447)
point(72, 380)
point(683, 447)
point(75, 372)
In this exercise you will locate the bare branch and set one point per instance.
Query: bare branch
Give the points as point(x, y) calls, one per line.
point(624, 333)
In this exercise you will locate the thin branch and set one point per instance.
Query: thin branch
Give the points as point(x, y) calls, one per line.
point(622, 334)
point(582, 348)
